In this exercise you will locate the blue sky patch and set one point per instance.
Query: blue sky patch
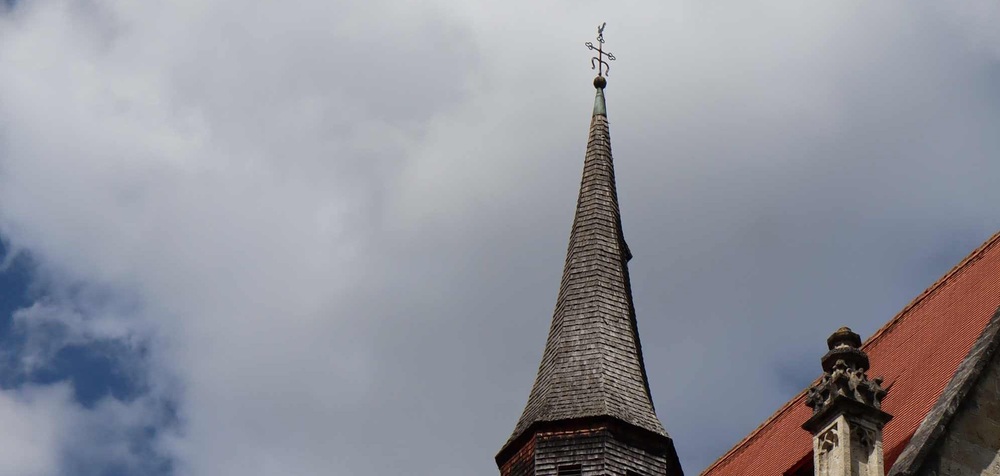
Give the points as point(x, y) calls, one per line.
point(14, 284)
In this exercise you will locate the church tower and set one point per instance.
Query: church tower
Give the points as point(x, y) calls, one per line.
point(590, 410)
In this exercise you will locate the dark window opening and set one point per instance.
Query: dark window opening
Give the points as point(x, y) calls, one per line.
point(570, 470)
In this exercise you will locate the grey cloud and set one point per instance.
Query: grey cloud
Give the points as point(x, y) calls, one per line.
point(346, 225)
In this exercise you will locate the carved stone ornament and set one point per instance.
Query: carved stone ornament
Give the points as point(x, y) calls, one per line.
point(865, 437)
point(828, 440)
point(844, 374)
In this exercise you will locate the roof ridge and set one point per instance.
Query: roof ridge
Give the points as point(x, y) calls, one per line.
point(975, 255)
point(971, 257)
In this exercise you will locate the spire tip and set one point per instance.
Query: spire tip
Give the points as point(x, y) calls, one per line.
point(600, 82)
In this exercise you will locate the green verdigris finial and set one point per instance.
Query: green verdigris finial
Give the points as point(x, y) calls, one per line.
point(600, 108)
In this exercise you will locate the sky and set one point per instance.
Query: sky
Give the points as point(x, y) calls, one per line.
point(325, 237)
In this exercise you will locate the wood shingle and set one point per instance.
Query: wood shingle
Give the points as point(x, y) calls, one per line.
point(592, 364)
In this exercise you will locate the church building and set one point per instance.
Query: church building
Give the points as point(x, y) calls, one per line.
point(920, 397)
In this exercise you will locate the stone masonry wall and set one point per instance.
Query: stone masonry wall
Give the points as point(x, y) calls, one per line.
point(971, 444)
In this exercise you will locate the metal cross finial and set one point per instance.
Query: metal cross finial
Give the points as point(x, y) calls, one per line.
point(598, 62)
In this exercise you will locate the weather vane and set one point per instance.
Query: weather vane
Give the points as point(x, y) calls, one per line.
point(598, 62)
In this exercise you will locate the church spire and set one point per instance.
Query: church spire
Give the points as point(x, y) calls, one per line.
point(592, 364)
point(591, 377)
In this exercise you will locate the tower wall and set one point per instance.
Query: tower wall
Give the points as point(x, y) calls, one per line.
point(598, 449)
point(521, 463)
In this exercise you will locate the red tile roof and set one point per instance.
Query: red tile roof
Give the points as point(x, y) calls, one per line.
point(916, 352)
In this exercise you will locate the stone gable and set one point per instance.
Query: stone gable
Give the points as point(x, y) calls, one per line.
point(971, 444)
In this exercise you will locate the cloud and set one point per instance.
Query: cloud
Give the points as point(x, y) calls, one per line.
point(30, 442)
point(336, 229)
point(48, 328)
point(46, 432)
point(226, 209)
point(973, 19)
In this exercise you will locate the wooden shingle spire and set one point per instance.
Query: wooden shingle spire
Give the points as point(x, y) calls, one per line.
point(592, 369)
point(592, 364)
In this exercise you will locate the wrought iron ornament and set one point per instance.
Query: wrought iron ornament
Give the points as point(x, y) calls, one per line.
point(598, 62)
